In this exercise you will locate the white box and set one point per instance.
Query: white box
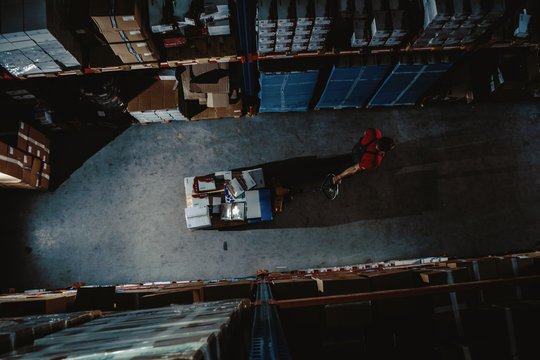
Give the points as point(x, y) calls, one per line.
point(188, 184)
point(253, 204)
point(226, 175)
point(250, 182)
point(200, 200)
point(206, 185)
point(198, 217)
point(258, 176)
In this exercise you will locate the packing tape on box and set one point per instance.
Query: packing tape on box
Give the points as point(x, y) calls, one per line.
point(476, 271)
point(111, 14)
point(123, 36)
point(27, 138)
point(11, 160)
point(515, 271)
point(455, 306)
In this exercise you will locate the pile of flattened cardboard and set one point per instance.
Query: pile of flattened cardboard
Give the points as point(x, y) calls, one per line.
point(207, 92)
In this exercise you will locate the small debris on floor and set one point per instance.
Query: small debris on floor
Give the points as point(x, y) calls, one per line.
point(225, 245)
point(180, 136)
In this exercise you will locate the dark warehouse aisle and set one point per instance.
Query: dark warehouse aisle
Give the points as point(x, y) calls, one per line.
point(462, 182)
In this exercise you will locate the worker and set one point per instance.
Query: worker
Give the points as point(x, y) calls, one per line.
point(367, 153)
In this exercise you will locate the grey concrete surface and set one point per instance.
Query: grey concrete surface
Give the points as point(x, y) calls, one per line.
point(463, 181)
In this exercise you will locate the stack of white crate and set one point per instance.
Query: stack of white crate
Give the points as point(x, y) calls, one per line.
point(321, 27)
point(286, 22)
point(452, 24)
point(266, 27)
point(158, 115)
point(304, 25)
point(361, 25)
point(27, 46)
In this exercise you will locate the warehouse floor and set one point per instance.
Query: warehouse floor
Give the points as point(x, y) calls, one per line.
point(463, 181)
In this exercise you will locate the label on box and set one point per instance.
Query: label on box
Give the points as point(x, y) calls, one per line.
point(134, 32)
point(141, 44)
point(38, 153)
point(128, 18)
point(10, 150)
point(148, 54)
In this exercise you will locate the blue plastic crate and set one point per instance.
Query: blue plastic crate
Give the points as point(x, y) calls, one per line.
point(287, 92)
point(407, 83)
point(352, 86)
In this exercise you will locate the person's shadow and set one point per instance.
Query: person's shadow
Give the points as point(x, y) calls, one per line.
point(407, 182)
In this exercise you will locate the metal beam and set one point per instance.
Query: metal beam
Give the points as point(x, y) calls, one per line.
point(400, 293)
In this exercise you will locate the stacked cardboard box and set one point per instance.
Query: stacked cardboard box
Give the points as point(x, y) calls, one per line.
point(121, 24)
point(456, 23)
point(158, 103)
point(35, 39)
point(27, 165)
point(207, 92)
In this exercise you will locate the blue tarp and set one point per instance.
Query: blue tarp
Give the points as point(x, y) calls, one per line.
point(287, 92)
point(352, 86)
point(407, 83)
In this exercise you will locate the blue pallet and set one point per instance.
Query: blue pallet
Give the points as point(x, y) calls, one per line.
point(287, 92)
point(351, 87)
point(407, 83)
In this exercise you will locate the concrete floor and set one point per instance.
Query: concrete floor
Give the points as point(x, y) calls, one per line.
point(463, 181)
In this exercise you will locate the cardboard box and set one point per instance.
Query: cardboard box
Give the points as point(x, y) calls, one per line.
point(38, 144)
point(44, 175)
point(343, 284)
point(198, 217)
point(185, 77)
point(234, 290)
point(131, 48)
point(112, 15)
point(11, 164)
point(392, 279)
point(215, 80)
point(294, 289)
point(359, 314)
point(22, 135)
point(233, 110)
point(161, 95)
point(217, 100)
point(35, 305)
point(31, 174)
point(137, 58)
point(479, 269)
point(124, 36)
